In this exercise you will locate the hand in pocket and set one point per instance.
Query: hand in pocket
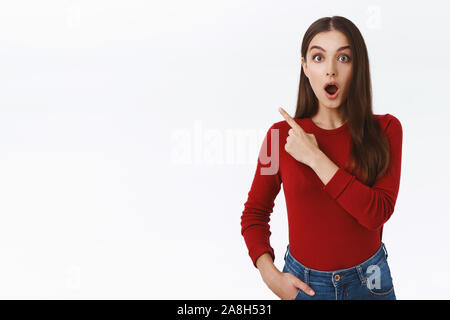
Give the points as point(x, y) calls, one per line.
point(287, 285)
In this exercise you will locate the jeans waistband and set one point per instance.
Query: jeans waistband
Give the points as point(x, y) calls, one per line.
point(337, 277)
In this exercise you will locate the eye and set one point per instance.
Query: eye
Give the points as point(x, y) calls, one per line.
point(320, 56)
point(317, 55)
point(348, 58)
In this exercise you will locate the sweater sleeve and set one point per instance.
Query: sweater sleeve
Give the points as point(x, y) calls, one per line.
point(371, 206)
point(260, 202)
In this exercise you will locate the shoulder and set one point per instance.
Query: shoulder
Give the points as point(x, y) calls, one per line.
point(284, 126)
point(389, 123)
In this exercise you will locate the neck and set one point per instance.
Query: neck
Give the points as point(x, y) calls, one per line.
point(328, 118)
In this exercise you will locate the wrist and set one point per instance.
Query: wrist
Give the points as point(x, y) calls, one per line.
point(267, 268)
point(270, 275)
point(316, 158)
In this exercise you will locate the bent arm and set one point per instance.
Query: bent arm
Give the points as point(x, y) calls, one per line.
point(370, 206)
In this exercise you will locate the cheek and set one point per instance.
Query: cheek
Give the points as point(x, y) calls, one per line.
point(317, 88)
point(347, 73)
point(316, 81)
point(346, 76)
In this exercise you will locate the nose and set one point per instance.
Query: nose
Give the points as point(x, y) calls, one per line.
point(331, 69)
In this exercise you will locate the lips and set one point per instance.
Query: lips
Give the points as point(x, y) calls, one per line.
point(331, 89)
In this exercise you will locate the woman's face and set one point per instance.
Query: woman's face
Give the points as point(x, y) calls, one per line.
point(329, 58)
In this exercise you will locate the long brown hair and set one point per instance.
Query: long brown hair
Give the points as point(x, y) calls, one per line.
point(370, 147)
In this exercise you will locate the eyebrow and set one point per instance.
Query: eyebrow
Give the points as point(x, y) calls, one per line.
point(320, 48)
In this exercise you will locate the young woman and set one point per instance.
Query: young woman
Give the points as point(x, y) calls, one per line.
point(340, 169)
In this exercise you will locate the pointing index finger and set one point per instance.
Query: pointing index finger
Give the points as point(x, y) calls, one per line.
point(290, 120)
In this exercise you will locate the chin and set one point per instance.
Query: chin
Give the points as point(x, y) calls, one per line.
point(331, 104)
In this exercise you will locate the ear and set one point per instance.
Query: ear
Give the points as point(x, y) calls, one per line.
point(305, 69)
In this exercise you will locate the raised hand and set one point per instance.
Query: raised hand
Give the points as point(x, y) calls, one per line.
point(299, 144)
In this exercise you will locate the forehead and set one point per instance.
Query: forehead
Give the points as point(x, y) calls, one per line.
point(329, 40)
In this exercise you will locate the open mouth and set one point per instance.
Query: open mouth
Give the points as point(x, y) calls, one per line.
point(331, 89)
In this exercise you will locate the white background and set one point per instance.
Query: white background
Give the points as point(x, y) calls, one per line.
point(130, 132)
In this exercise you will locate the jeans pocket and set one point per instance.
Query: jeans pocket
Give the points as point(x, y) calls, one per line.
point(298, 295)
point(378, 279)
point(287, 269)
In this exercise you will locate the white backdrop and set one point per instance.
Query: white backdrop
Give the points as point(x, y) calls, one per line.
point(130, 133)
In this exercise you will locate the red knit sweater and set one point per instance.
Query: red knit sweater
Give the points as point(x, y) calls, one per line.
point(332, 226)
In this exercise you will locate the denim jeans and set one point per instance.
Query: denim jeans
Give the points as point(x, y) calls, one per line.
point(370, 280)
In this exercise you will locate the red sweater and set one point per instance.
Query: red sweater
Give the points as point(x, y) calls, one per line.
point(332, 226)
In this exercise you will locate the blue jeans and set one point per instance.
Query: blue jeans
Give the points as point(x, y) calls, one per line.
point(370, 280)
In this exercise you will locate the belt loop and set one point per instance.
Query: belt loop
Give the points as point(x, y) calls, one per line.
point(307, 276)
point(384, 248)
point(287, 251)
point(360, 274)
